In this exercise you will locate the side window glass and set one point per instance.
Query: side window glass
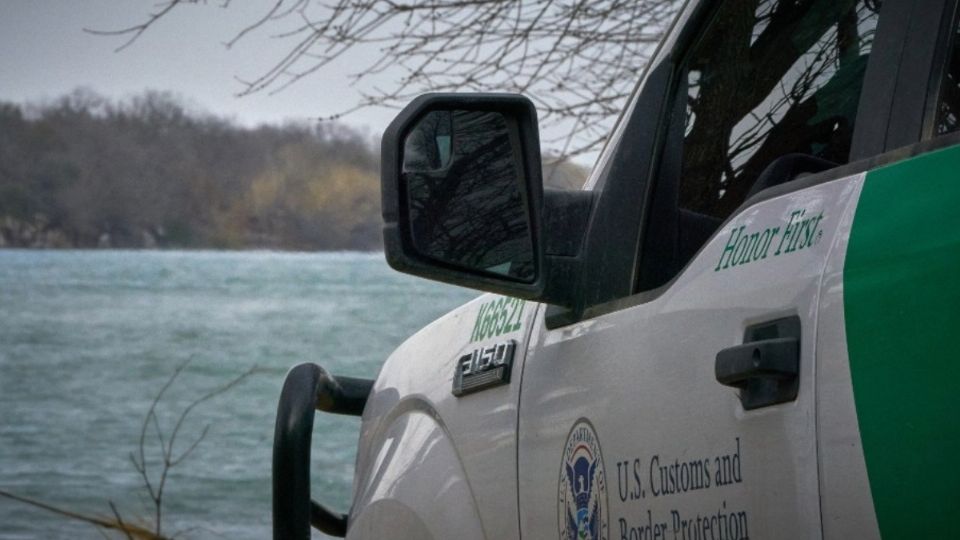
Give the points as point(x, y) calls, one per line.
point(948, 106)
point(768, 78)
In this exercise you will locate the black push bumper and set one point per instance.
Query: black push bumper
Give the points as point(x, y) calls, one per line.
point(308, 387)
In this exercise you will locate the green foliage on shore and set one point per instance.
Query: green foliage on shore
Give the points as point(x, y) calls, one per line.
point(84, 171)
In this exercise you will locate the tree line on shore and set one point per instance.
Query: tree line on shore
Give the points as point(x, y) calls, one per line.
point(84, 171)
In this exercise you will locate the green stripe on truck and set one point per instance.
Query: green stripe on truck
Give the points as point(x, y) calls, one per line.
point(902, 309)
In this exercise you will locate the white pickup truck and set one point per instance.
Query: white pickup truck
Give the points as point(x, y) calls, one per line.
point(742, 327)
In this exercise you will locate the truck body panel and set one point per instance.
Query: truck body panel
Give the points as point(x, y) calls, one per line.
point(422, 448)
point(644, 376)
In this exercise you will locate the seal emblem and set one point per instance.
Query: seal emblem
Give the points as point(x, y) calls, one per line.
point(582, 500)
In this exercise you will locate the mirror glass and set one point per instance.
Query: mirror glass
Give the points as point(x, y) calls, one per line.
point(467, 201)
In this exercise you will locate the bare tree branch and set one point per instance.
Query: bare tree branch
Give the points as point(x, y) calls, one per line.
point(137, 30)
point(119, 519)
point(168, 461)
point(577, 60)
point(142, 466)
point(131, 531)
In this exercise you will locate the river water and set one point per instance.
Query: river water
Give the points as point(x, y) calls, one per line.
point(87, 339)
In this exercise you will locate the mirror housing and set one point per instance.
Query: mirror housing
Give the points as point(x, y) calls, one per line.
point(414, 249)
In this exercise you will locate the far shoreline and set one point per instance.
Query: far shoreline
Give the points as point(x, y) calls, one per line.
point(198, 250)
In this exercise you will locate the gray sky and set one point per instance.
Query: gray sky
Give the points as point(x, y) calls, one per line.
point(46, 53)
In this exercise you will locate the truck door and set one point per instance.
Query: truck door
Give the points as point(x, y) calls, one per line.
point(687, 409)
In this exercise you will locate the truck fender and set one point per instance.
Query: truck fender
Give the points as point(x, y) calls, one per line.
point(415, 484)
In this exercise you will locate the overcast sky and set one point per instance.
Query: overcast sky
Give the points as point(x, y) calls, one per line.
point(46, 53)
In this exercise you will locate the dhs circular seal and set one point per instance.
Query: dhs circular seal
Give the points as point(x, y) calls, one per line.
point(582, 508)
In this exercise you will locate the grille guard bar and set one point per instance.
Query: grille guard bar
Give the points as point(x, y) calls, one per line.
point(308, 387)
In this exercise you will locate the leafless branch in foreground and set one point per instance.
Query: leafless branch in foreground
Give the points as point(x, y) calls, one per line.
point(131, 531)
point(135, 31)
point(170, 458)
point(578, 60)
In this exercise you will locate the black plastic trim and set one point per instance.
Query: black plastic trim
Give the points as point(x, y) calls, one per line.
point(766, 367)
point(941, 56)
point(565, 218)
point(880, 81)
point(609, 260)
point(916, 62)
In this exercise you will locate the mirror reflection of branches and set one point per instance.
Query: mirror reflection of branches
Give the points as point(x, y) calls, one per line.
point(769, 78)
point(465, 193)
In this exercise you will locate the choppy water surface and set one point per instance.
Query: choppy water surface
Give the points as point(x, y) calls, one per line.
point(87, 338)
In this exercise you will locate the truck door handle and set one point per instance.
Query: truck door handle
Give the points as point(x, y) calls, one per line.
point(766, 371)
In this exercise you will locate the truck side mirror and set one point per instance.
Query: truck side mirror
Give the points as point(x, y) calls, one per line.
point(463, 193)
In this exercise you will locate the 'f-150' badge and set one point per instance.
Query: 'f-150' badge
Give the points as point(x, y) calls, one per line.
point(483, 368)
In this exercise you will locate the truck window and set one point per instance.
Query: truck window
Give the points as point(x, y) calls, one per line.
point(765, 79)
point(948, 104)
